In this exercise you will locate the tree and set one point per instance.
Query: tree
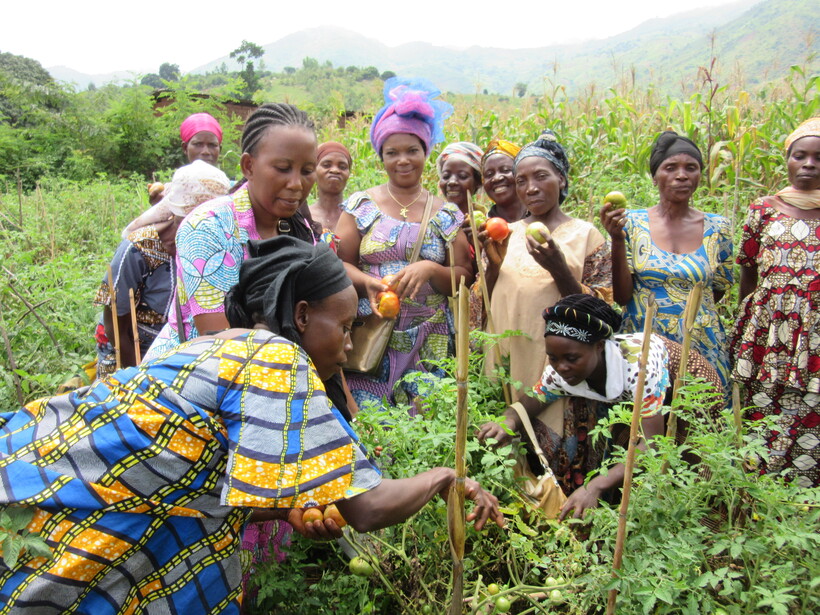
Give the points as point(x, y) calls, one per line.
point(289, 70)
point(369, 73)
point(388, 74)
point(169, 72)
point(152, 80)
point(520, 89)
point(245, 54)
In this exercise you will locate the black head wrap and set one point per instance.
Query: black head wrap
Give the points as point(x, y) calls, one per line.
point(667, 145)
point(279, 273)
point(547, 147)
point(584, 318)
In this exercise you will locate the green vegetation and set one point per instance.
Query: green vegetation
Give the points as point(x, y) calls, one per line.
point(82, 161)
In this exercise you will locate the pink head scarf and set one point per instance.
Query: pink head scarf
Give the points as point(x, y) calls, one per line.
point(199, 122)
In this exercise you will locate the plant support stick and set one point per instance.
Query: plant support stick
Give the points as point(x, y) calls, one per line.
point(113, 294)
point(637, 406)
point(134, 328)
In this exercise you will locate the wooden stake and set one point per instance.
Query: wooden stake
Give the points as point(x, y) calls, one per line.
point(456, 515)
point(693, 302)
point(113, 294)
point(134, 328)
point(634, 436)
point(485, 294)
point(736, 413)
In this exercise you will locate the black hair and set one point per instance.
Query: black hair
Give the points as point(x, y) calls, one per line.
point(272, 114)
point(593, 306)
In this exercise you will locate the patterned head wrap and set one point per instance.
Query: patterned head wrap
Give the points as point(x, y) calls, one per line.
point(192, 185)
point(547, 147)
point(280, 272)
point(500, 146)
point(329, 147)
point(466, 152)
point(199, 122)
point(669, 144)
point(809, 128)
point(410, 107)
point(584, 318)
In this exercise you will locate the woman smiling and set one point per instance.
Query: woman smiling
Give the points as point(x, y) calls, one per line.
point(379, 229)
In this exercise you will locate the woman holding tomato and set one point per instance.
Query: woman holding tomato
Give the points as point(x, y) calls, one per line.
point(666, 249)
point(379, 228)
point(499, 181)
point(525, 276)
point(143, 511)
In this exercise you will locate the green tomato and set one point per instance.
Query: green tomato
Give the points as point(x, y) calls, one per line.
point(556, 597)
point(360, 567)
point(426, 609)
point(479, 217)
point(493, 589)
point(719, 611)
point(616, 198)
point(550, 582)
point(502, 604)
point(539, 232)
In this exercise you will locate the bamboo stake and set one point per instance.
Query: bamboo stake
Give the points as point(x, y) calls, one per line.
point(134, 328)
point(20, 197)
point(113, 294)
point(455, 502)
point(630, 453)
point(693, 302)
point(485, 293)
point(736, 413)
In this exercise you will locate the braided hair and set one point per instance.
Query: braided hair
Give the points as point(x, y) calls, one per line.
point(581, 317)
point(272, 114)
point(265, 117)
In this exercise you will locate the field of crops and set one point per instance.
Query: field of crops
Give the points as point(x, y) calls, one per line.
point(57, 239)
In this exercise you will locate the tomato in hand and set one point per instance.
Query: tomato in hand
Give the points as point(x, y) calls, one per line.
point(388, 304)
point(331, 512)
point(497, 229)
point(312, 514)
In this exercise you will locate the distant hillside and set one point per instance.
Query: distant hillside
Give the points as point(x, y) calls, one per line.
point(81, 80)
point(754, 40)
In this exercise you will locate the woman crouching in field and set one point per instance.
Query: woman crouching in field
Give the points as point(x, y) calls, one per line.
point(589, 361)
point(142, 482)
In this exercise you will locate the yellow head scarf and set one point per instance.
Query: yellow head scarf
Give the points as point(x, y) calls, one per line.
point(500, 146)
point(803, 199)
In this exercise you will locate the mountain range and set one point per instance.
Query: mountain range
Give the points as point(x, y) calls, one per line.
point(753, 40)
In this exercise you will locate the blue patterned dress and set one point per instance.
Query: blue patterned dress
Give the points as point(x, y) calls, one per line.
point(142, 483)
point(671, 276)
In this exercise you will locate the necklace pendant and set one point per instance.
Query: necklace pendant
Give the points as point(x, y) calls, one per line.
point(403, 213)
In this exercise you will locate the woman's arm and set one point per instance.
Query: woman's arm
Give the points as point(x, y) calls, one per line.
point(614, 222)
point(495, 251)
point(348, 251)
point(510, 418)
point(551, 258)
point(587, 496)
point(411, 279)
point(748, 282)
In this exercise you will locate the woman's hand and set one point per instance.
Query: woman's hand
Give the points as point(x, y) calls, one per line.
point(582, 498)
point(315, 530)
point(494, 430)
point(373, 286)
point(613, 220)
point(495, 250)
point(410, 280)
point(486, 504)
point(548, 255)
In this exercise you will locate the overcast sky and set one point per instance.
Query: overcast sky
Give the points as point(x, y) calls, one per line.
point(94, 37)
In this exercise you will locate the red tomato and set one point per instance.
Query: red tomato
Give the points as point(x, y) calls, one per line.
point(388, 304)
point(497, 229)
